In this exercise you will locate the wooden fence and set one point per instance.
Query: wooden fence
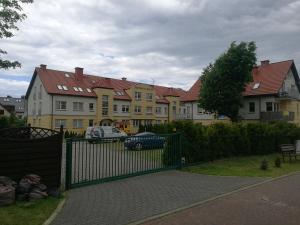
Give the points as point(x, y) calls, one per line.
point(31, 150)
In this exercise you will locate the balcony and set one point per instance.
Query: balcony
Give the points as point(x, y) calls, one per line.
point(277, 116)
point(291, 93)
point(183, 117)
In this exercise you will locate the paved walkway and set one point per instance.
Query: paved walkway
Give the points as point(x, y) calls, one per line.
point(273, 203)
point(134, 199)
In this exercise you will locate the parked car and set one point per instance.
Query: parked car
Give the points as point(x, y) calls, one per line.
point(145, 140)
point(101, 132)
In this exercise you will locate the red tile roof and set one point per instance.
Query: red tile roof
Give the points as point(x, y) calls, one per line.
point(270, 78)
point(52, 78)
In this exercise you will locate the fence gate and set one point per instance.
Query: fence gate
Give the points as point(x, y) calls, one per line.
point(90, 161)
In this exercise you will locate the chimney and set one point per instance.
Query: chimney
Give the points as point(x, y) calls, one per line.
point(43, 66)
point(124, 78)
point(265, 62)
point(78, 73)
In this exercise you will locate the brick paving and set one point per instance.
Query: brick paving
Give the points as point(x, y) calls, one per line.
point(273, 203)
point(133, 199)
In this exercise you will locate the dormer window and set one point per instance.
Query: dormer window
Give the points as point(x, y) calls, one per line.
point(67, 75)
point(59, 87)
point(89, 90)
point(256, 85)
point(65, 87)
point(75, 88)
point(80, 89)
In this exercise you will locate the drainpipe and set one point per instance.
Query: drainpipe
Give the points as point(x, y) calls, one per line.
point(52, 114)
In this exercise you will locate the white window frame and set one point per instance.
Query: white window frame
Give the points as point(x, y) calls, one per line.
point(138, 95)
point(137, 109)
point(78, 106)
point(77, 123)
point(59, 122)
point(59, 106)
point(125, 108)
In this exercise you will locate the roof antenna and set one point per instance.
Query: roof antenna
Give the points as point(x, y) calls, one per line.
point(153, 81)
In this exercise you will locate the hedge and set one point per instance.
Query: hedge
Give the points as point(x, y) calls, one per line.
point(206, 143)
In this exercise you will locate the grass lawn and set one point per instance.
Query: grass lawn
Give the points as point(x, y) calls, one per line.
point(245, 166)
point(28, 213)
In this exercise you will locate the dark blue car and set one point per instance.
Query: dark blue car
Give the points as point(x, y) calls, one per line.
point(145, 140)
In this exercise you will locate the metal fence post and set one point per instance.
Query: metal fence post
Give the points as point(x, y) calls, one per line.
point(68, 163)
point(180, 151)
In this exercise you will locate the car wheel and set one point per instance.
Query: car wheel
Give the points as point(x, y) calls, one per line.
point(138, 146)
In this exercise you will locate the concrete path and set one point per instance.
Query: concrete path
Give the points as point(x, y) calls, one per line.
point(273, 203)
point(134, 199)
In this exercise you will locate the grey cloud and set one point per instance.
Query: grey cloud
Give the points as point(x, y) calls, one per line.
point(169, 41)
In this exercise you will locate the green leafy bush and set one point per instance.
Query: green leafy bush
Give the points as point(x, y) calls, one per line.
point(206, 143)
point(264, 165)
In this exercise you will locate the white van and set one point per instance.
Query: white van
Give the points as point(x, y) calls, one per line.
point(104, 132)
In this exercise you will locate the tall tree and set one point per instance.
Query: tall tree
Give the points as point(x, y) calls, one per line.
point(223, 82)
point(10, 14)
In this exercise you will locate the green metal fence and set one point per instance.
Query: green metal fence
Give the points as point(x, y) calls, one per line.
point(90, 161)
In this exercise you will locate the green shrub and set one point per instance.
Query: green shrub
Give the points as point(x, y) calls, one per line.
point(264, 165)
point(277, 162)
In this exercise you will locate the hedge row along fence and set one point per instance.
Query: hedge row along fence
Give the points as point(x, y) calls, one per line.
point(206, 143)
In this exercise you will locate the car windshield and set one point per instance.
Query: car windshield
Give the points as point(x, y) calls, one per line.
point(144, 134)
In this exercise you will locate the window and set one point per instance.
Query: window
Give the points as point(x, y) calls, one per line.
point(158, 110)
point(34, 109)
point(6, 99)
point(1, 111)
point(80, 89)
point(158, 122)
point(61, 105)
point(89, 90)
point(149, 96)
point(59, 87)
point(125, 108)
point(58, 123)
point(269, 106)
point(67, 75)
point(77, 123)
point(75, 88)
point(138, 96)
point(166, 110)
point(148, 122)
point(65, 87)
point(34, 94)
point(137, 109)
point(40, 109)
point(105, 105)
point(40, 93)
point(276, 107)
point(251, 107)
point(136, 123)
point(256, 85)
point(78, 106)
point(91, 106)
point(91, 123)
point(115, 108)
point(149, 110)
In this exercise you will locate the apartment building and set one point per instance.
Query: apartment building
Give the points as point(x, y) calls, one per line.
point(273, 95)
point(77, 100)
point(13, 105)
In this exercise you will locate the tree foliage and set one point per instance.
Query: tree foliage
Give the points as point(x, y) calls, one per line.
point(10, 15)
point(223, 82)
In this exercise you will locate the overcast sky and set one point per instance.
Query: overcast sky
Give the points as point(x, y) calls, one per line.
point(167, 42)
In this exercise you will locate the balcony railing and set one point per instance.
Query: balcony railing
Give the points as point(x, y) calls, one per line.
point(277, 116)
point(183, 116)
point(290, 93)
